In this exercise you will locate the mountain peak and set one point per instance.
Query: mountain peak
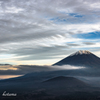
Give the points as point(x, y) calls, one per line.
point(81, 58)
point(83, 52)
point(80, 52)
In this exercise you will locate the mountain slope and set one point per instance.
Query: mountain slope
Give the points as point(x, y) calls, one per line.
point(62, 85)
point(81, 58)
point(63, 81)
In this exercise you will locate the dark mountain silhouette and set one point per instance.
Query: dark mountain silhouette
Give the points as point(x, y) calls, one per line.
point(63, 81)
point(46, 85)
point(61, 85)
point(81, 58)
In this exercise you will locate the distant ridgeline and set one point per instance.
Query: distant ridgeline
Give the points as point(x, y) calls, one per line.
point(5, 64)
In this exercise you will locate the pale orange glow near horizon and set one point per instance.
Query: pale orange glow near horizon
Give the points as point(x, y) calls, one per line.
point(8, 76)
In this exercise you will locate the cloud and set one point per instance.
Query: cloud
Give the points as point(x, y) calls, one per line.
point(24, 69)
point(46, 29)
point(68, 67)
point(89, 43)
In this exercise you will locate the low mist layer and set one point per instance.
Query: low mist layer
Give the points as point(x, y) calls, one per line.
point(24, 69)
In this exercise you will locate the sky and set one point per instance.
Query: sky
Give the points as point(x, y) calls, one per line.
point(42, 32)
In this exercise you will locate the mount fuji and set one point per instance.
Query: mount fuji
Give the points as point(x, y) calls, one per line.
point(81, 58)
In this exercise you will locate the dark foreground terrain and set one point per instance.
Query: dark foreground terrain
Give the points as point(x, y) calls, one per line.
point(54, 85)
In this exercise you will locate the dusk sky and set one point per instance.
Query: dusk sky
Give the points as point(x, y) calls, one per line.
point(42, 32)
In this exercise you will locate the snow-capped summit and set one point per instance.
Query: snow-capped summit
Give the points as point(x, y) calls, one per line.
point(81, 58)
point(83, 52)
point(80, 52)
